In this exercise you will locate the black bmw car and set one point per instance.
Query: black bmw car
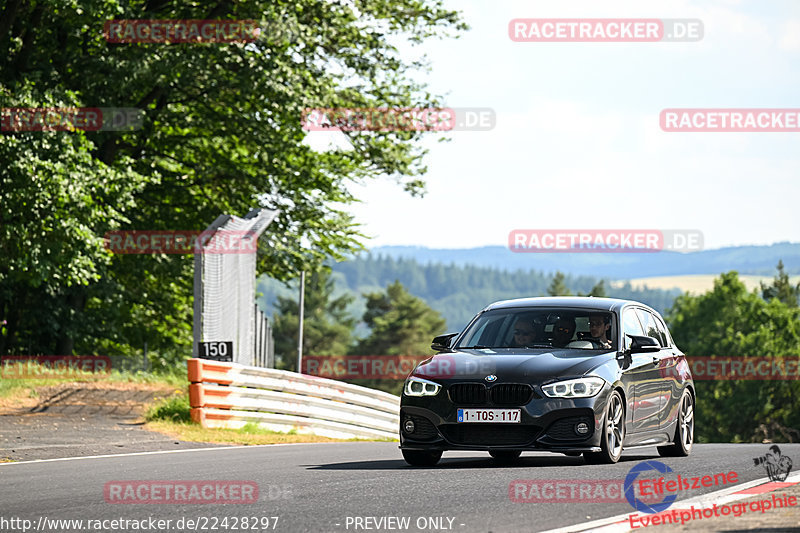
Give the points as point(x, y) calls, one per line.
point(567, 375)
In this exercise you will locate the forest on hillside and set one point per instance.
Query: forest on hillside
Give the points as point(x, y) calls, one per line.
point(457, 292)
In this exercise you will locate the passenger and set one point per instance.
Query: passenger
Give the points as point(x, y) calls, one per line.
point(599, 328)
point(563, 331)
point(524, 333)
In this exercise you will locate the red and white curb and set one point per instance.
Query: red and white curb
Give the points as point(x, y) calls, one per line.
point(620, 523)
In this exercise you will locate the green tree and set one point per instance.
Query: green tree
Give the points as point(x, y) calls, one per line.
point(781, 288)
point(400, 324)
point(557, 286)
point(598, 290)
point(729, 321)
point(222, 133)
point(54, 197)
point(327, 326)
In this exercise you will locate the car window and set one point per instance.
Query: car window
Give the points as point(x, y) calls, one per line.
point(538, 327)
point(650, 327)
point(475, 334)
point(630, 326)
point(666, 339)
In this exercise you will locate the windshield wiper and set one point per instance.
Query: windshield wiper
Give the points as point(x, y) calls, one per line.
point(476, 347)
point(538, 346)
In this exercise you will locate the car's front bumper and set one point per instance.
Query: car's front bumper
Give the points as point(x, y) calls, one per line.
point(546, 424)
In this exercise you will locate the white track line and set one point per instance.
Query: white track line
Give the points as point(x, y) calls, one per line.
point(619, 523)
point(168, 451)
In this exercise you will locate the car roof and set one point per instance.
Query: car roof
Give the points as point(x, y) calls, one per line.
point(580, 302)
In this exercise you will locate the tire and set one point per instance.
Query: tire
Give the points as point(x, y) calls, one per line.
point(613, 433)
point(505, 456)
point(421, 457)
point(684, 430)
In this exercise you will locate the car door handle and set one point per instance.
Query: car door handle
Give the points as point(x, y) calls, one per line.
point(656, 360)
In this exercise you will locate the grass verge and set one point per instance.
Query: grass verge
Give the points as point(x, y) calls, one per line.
point(21, 394)
point(26, 387)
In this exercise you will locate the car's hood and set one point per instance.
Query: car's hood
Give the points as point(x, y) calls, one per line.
point(512, 365)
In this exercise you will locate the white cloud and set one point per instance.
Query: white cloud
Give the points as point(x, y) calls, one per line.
point(790, 40)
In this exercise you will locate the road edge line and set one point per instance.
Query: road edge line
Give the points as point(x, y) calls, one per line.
point(164, 451)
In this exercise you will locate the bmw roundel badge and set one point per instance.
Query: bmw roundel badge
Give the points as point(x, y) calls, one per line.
point(490, 378)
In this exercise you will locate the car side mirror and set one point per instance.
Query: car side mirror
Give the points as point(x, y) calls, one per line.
point(643, 344)
point(442, 342)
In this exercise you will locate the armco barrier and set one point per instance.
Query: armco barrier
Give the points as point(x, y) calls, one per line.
point(229, 395)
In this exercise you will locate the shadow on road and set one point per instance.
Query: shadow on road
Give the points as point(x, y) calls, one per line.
point(461, 463)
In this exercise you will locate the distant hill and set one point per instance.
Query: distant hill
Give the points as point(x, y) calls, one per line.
point(755, 260)
point(697, 284)
point(457, 292)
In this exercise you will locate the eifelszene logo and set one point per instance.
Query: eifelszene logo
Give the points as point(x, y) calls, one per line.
point(637, 503)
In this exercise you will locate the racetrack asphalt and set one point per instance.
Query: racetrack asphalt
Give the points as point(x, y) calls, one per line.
point(316, 487)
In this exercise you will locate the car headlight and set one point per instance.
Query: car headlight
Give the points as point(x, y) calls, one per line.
point(574, 388)
point(421, 387)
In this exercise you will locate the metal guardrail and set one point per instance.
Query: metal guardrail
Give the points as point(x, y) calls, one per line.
point(230, 395)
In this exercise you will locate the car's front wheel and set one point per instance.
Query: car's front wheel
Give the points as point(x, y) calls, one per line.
point(505, 456)
point(613, 433)
point(422, 457)
point(684, 432)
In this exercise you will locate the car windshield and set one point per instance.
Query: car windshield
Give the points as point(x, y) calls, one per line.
point(582, 329)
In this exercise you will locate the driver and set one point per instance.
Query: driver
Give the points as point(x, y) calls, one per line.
point(599, 328)
point(524, 333)
point(563, 331)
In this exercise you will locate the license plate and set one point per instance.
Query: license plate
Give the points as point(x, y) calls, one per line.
point(501, 416)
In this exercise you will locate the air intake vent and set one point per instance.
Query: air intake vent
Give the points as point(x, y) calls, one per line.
point(423, 428)
point(564, 428)
point(490, 434)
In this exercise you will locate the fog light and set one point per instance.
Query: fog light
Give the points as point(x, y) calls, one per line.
point(582, 428)
point(409, 426)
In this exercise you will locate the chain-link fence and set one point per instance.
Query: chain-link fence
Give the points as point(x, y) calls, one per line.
point(225, 324)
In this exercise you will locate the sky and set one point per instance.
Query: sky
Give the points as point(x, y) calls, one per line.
point(577, 142)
